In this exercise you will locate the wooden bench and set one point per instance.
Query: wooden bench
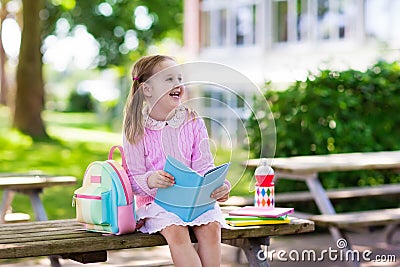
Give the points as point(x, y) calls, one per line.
point(353, 220)
point(32, 185)
point(359, 219)
point(67, 239)
point(343, 221)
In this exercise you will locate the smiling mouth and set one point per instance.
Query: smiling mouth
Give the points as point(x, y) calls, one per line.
point(176, 93)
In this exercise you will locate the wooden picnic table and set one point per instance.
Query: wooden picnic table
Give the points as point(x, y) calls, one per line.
point(307, 168)
point(31, 185)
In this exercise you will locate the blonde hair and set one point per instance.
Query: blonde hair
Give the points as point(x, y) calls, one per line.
point(133, 125)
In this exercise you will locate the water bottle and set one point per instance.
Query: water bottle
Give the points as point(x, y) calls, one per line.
point(265, 187)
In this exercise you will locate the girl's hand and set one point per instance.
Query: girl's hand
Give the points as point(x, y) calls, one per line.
point(160, 179)
point(221, 194)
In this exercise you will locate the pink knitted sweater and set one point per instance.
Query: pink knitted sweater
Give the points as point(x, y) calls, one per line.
point(183, 137)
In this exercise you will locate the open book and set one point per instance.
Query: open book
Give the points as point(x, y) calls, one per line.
point(189, 197)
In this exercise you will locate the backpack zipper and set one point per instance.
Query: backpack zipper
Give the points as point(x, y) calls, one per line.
point(75, 196)
point(122, 182)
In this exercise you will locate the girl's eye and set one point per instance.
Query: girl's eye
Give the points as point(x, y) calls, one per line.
point(169, 79)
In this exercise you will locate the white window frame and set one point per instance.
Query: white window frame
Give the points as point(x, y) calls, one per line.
point(230, 7)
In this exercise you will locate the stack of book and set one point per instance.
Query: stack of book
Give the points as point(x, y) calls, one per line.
point(250, 216)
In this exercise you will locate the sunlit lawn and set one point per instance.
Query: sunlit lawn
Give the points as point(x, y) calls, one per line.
point(78, 139)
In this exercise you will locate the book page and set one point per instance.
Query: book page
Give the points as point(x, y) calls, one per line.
point(212, 180)
point(218, 172)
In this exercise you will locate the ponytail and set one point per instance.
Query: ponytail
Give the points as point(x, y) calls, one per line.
point(133, 115)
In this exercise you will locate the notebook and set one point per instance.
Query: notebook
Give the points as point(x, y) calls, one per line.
point(261, 212)
point(190, 197)
point(255, 220)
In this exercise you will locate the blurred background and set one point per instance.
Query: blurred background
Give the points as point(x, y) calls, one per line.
point(328, 69)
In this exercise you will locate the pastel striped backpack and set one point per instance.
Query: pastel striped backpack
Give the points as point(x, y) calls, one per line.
point(105, 202)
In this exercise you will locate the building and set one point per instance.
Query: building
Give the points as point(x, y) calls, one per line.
point(283, 40)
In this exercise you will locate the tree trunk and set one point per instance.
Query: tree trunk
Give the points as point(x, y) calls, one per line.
point(3, 61)
point(29, 102)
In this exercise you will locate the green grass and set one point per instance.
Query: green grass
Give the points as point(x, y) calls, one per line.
point(77, 140)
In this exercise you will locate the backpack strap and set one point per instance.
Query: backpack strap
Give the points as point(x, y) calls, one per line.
point(124, 179)
point(121, 151)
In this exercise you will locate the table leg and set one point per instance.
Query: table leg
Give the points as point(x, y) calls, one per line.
point(390, 231)
point(40, 215)
point(326, 207)
point(323, 203)
point(255, 255)
point(252, 250)
point(8, 196)
point(37, 205)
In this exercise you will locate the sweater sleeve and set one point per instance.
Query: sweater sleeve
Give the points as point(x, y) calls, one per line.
point(202, 159)
point(138, 174)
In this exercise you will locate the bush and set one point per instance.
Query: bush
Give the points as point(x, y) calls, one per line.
point(80, 102)
point(338, 112)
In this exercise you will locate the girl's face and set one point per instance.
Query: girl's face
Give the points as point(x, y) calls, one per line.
point(164, 90)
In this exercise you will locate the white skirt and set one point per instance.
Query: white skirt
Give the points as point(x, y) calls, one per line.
point(157, 218)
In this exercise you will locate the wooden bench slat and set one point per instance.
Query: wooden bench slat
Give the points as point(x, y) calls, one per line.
point(359, 218)
point(35, 181)
point(350, 192)
point(40, 224)
point(26, 239)
point(343, 193)
point(67, 242)
point(16, 217)
point(43, 236)
point(29, 229)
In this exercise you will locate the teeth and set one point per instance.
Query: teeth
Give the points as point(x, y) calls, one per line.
point(175, 93)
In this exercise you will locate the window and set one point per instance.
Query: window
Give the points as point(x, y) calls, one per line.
point(223, 27)
point(245, 25)
point(280, 9)
point(224, 24)
point(291, 20)
point(335, 19)
point(205, 29)
point(302, 20)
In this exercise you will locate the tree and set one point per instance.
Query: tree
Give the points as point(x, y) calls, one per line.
point(110, 22)
point(29, 101)
point(3, 57)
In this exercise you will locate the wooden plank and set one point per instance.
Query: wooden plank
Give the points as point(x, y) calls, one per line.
point(16, 217)
point(359, 218)
point(29, 229)
point(34, 182)
point(62, 234)
point(333, 162)
point(92, 257)
point(68, 241)
point(78, 245)
point(343, 193)
point(40, 224)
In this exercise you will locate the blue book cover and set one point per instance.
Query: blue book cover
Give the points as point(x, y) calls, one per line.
point(190, 197)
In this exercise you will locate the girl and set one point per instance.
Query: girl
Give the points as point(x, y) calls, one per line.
point(157, 125)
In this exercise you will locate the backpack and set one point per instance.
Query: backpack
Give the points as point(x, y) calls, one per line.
point(105, 202)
